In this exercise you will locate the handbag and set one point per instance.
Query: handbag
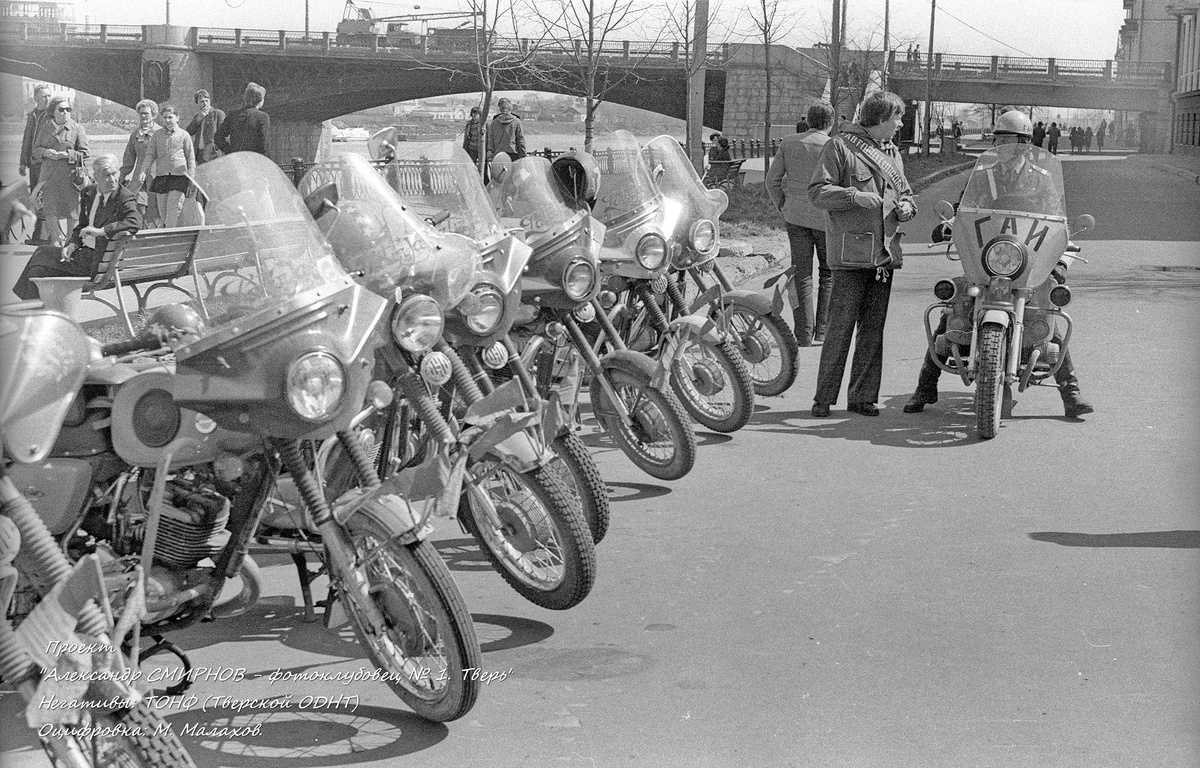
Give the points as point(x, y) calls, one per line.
point(888, 258)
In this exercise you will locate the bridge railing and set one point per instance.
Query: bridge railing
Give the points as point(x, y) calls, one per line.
point(41, 33)
point(946, 65)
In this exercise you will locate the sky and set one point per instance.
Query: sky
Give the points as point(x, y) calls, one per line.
point(1075, 29)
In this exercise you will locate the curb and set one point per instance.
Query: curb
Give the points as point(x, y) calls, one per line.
point(923, 183)
point(1186, 173)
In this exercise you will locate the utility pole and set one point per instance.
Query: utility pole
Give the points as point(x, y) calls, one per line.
point(305, 19)
point(835, 58)
point(928, 82)
point(887, 44)
point(168, 11)
point(695, 103)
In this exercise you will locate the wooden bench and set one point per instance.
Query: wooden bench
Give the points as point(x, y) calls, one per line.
point(724, 173)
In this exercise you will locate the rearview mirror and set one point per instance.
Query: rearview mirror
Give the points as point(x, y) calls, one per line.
point(944, 210)
point(1082, 224)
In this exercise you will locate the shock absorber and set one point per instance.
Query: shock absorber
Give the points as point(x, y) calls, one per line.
point(353, 445)
point(310, 491)
point(467, 386)
point(418, 397)
point(675, 294)
point(657, 317)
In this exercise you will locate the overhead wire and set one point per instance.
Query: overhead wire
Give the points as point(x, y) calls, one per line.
point(985, 34)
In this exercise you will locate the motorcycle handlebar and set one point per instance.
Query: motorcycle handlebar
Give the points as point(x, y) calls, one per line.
point(139, 344)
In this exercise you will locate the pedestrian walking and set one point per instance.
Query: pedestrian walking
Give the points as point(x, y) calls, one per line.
point(204, 126)
point(505, 133)
point(860, 182)
point(1087, 140)
point(1052, 136)
point(34, 121)
point(245, 129)
point(1039, 134)
point(473, 134)
point(173, 156)
point(1100, 133)
point(136, 173)
point(787, 185)
point(62, 148)
point(104, 210)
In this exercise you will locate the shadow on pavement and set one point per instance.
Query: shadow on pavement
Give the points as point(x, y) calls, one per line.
point(298, 736)
point(637, 491)
point(503, 633)
point(1159, 539)
point(950, 422)
point(463, 554)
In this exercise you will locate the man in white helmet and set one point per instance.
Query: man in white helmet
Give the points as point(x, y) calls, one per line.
point(1019, 184)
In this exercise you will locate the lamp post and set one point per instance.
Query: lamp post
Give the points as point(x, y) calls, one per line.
point(928, 82)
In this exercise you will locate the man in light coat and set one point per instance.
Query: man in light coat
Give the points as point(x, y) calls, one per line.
point(787, 184)
point(505, 133)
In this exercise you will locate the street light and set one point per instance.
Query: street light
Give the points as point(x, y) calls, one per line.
point(929, 82)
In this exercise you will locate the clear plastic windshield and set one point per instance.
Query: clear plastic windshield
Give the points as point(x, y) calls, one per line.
point(45, 360)
point(1017, 177)
point(679, 181)
point(439, 179)
point(260, 246)
point(372, 231)
point(529, 197)
point(625, 183)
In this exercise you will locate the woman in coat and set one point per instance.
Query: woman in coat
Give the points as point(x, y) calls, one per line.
point(860, 181)
point(136, 173)
point(62, 145)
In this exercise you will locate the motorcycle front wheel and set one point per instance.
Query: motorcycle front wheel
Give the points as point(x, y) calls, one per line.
point(582, 477)
point(428, 649)
point(989, 383)
point(130, 738)
point(769, 348)
point(713, 384)
point(532, 530)
point(659, 438)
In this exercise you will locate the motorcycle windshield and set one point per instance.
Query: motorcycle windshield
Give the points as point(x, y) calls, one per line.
point(626, 187)
point(261, 247)
point(1016, 177)
point(45, 360)
point(440, 179)
point(679, 181)
point(529, 197)
point(374, 233)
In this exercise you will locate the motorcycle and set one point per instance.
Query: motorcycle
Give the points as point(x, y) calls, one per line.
point(66, 648)
point(751, 321)
point(515, 501)
point(182, 459)
point(1002, 322)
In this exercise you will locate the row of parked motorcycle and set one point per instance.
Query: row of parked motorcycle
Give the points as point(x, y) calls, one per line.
point(375, 348)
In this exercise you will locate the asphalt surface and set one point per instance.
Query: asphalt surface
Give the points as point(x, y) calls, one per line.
point(844, 591)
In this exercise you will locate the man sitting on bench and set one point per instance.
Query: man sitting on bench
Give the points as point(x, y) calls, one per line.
point(105, 210)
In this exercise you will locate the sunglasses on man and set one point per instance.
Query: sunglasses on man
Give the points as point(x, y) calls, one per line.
point(62, 109)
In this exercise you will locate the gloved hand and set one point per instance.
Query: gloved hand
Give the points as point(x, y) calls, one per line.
point(906, 210)
point(1059, 273)
point(942, 232)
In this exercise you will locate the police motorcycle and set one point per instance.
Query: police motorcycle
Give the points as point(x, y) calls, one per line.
point(494, 448)
point(1002, 322)
point(751, 321)
point(628, 390)
point(173, 465)
point(60, 642)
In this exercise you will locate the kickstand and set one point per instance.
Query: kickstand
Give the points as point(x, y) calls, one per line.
point(1006, 408)
point(163, 645)
point(306, 579)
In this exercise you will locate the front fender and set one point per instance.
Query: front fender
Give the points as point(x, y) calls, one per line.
point(998, 316)
point(754, 302)
point(628, 357)
point(694, 325)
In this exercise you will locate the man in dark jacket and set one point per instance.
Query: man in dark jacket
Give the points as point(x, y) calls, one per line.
point(105, 210)
point(204, 126)
point(33, 123)
point(505, 133)
point(245, 129)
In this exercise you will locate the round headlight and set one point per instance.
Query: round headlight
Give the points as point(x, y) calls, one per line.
point(315, 383)
point(417, 323)
point(652, 251)
point(704, 235)
point(578, 279)
point(488, 311)
point(1060, 295)
point(1004, 258)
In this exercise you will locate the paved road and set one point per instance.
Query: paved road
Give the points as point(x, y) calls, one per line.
point(847, 591)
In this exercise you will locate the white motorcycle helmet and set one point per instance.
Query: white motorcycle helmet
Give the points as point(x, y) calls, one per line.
point(1014, 123)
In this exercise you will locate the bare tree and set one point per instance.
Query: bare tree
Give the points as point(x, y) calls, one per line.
point(769, 30)
point(578, 58)
point(679, 23)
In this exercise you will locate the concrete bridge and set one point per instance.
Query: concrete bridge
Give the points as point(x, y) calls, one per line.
point(313, 78)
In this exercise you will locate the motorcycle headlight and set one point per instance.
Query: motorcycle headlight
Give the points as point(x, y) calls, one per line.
point(315, 384)
point(578, 279)
point(488, 311)
point(1004, 258)
point(417, 323)
point(652, 251)
point(704, 235)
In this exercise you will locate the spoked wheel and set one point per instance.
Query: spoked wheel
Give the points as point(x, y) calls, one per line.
point(989, 384)
point(428, 639)
point(583, 479)
point(769, 348)
point(132, 738)
point(659, 439)
point(713, 383)
point(532, 530)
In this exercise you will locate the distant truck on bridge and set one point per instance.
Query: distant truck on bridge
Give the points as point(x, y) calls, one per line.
point(360, 27)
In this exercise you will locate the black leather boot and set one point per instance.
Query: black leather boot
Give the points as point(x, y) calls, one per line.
point(1068, 386)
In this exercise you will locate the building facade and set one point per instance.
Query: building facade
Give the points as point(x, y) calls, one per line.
point(1147, 36)
point(1185, 123)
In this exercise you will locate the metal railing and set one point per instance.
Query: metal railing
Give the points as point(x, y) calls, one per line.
point(947, 65)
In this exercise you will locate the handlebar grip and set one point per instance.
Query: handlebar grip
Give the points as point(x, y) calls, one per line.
point(139, 344)
point(1073, 248)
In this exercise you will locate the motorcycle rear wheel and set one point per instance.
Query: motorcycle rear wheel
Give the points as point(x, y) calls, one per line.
point(660, 440)
point(542, 547)
point(430, 639)
point(713, 384)
point(584, 481)
point(989, 384)
point(769, 348)
point(139, 737)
